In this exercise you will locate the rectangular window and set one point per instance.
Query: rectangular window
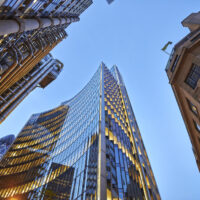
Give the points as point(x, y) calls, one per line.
point(193, 108)
point(193, 76)
point(197, 126)
point(175, 63)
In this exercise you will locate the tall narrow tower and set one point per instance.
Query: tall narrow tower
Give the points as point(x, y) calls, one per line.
point(90, 147)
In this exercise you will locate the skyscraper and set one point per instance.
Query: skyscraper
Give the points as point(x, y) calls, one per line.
point(19, 17)
point(41, 75)
point(183, 71)
point(29, 30)
point(90, 147)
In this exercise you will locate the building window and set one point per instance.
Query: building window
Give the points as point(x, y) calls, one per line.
point(197, 126)
point(175, 63)
point(193, 108)
point(193, 76)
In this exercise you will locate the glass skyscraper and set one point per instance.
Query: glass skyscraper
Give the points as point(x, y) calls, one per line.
point(90, 147)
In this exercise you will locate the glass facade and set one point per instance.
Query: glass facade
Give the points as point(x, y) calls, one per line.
point(88, 148)
point(43, 8)
point(128, 168)
point(5, 143)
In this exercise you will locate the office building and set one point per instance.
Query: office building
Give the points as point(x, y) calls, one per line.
point(90, 147)
point(183, 71)
point(41, 75)
point(5, 143)
point(29, 30)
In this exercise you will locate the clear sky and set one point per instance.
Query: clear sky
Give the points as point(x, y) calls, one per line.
point(130, 34)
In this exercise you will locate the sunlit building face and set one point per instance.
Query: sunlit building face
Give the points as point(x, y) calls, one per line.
point(88, 148)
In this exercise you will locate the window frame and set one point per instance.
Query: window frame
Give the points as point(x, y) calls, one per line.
point(190, 79)
point(197, 126)
point(190, 105)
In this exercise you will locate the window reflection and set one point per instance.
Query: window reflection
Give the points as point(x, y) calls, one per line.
point(55, 156)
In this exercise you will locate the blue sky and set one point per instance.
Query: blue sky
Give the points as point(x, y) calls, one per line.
point(130, 34)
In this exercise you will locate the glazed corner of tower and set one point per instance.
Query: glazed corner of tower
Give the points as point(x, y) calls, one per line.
point(103, 64)
point(114, 66)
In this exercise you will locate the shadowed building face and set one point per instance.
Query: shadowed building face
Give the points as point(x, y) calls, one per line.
point(183, 70)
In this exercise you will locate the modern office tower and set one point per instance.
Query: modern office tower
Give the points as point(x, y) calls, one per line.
point(28, 22)
point(29, 30)
point(90, 147)
point(5, 143)
point(40, 75)
point(19, 17)
point(183, 70)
